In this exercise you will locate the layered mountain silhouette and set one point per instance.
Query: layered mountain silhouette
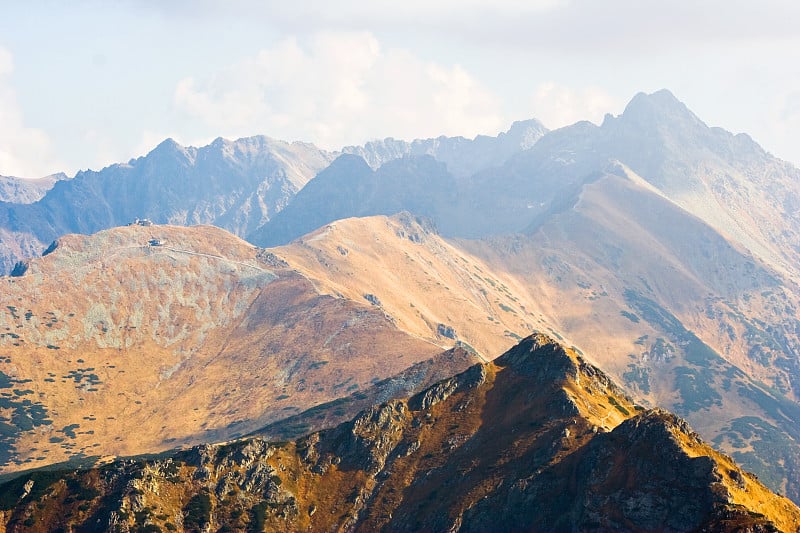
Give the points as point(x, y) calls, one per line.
point(675, 312)
point(726, 180)
point(156, 322)
point(237, 185)
point(193, 335)
point(644, 233)
point(463, 157)
point(417, 184)
point(538, 440)
point(664, 248)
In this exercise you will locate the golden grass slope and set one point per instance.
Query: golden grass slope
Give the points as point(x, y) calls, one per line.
point(429, 287)
point(139, 339)
point(660, 300)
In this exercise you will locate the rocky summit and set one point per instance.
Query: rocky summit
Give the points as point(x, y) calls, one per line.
point(538, 440)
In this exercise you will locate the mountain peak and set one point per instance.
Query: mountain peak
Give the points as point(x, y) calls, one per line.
point(523, 460)
point(657, 108)
point(348, 163)
point(655, 421)
point(170, 149)
point(168, 144)
point(541, 356)
point(524, 133)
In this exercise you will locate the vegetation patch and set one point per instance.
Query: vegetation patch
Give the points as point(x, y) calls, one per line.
point(616, 404)
point(371, 298)
point(772, 452)
point(197, 513)
point(696, 389)
point(258, 517)
point(69, 430)
point(84, 377)
point(42, 481)
point(697, 352)
point(630, 316)
point(80, 491)
point(506, 308)
point(638, 376)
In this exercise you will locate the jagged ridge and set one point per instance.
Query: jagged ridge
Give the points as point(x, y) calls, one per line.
point(498, 447)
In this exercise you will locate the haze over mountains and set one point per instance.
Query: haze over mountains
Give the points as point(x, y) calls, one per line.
point(26, 191)
point(236, 185)
point(663, 249)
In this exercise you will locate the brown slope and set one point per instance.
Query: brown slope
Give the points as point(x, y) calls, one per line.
point(518, 444)
point(428, 286)
point(202, 337)
point(672, 309)
point(415, 378)
point(619, 234)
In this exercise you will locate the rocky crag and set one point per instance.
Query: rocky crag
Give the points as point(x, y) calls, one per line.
point(538, 440)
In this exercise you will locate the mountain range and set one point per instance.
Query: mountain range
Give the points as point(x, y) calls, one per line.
point(236, 185)
point(524, 443)
point(660, 249)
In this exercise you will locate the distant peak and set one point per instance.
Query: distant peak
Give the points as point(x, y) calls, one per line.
point(169, 148)
point(348, 161)
point(659, 106)
point(524, 125)
point(663, 96)
point(167, 144)
point(525, 133)
point(346, 167)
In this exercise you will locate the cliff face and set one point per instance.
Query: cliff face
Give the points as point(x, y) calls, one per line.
point(537, 440)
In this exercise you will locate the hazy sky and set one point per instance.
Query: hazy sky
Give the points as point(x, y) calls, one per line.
point(87, 83)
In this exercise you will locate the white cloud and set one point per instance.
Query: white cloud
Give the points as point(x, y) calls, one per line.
point(339, 88)
point(625, 27)
point(557, 106)
point(24, 151)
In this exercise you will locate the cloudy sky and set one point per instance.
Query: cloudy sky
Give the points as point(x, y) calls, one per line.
point(87, 83)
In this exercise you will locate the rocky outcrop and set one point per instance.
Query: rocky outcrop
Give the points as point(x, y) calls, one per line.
point(486, 450)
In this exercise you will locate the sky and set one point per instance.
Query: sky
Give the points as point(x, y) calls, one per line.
point(87, 83)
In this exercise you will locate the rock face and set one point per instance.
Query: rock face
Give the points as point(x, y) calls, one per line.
point(26, 191)
point(349, 188)
point(501, 446)
point(236, 185)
